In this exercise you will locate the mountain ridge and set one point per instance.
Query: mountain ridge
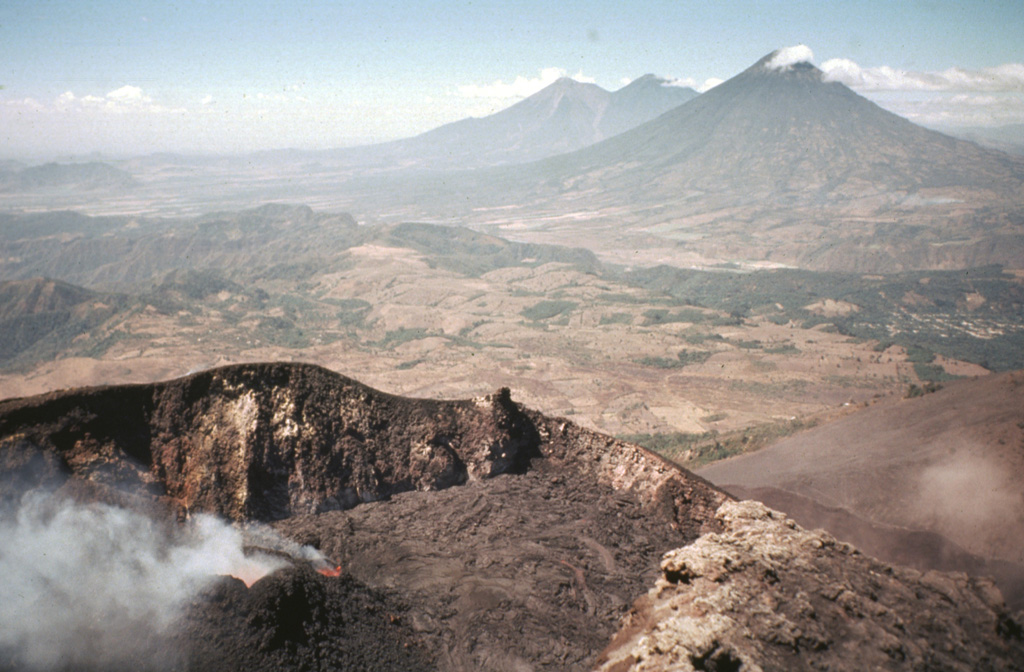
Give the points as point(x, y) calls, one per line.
point(562, 117)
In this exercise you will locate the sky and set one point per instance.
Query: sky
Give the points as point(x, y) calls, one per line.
point(131, 78)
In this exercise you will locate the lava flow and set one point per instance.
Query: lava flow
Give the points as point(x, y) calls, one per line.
point(329, 571)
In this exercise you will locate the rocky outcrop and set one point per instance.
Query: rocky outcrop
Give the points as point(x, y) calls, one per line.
point(268, 441)
point(764, 594)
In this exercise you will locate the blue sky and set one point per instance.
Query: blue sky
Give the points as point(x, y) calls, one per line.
point(130, 78)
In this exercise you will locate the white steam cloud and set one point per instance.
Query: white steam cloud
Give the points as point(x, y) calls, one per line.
point(94, 586)
point(787, 57)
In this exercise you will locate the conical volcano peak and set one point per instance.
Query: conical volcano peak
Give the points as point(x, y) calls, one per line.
point(567, 83)
point(787, 59)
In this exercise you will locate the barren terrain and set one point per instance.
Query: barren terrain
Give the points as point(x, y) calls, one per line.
point(433, 535)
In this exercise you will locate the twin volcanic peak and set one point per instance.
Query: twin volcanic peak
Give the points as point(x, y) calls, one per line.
point(563, 117)
point(471, 535)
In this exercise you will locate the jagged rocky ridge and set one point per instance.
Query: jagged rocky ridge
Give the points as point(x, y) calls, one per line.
point(268, 441)
point(473, 534)
point(765, 594)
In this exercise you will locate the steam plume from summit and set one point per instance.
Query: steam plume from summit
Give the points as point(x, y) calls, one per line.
point(94, 586)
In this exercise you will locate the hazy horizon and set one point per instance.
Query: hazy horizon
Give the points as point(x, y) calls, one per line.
point(238, 77)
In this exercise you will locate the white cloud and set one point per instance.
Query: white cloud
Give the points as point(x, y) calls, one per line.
point(25, 104)
point(681, 82)
point(787, 57)
point(207, 100)
point(960, 109)
point(129, 95)
point(126, 99)
point(709, 83)
point(1002, 78)
point(521, 87)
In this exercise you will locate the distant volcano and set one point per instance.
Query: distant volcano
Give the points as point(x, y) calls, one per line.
point(772, 131)
point(769, 163)
point(565, 116)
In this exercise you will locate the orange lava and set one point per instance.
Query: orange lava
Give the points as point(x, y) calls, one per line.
point(327, 571)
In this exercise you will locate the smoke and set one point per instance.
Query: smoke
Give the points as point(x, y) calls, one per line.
point(787, 57)
point(97, 586)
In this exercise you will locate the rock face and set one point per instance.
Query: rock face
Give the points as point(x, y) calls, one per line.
point(764, 594)
point(268, 441)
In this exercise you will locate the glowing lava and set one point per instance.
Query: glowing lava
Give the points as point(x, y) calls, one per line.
point(328, 571)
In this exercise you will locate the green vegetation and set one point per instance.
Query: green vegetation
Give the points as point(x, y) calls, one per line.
point(196, 285)
point(545, 310)
point(919, 391)
point(697, 450)
point(393, 339)
point(928, 310)
point(695, 337)
point(616, 318)
point(665, 316)
point(932, 373)
point(919, 355)
point(351, 312)
point(683, 358)
point(472, 253)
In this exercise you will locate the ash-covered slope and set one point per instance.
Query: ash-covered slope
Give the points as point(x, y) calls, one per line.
point(472, 535)
point(948, 464)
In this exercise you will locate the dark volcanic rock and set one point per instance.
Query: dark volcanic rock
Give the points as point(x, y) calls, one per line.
point(298, 616)
point(528, 564)
point(475, 535)
point(268, 441)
